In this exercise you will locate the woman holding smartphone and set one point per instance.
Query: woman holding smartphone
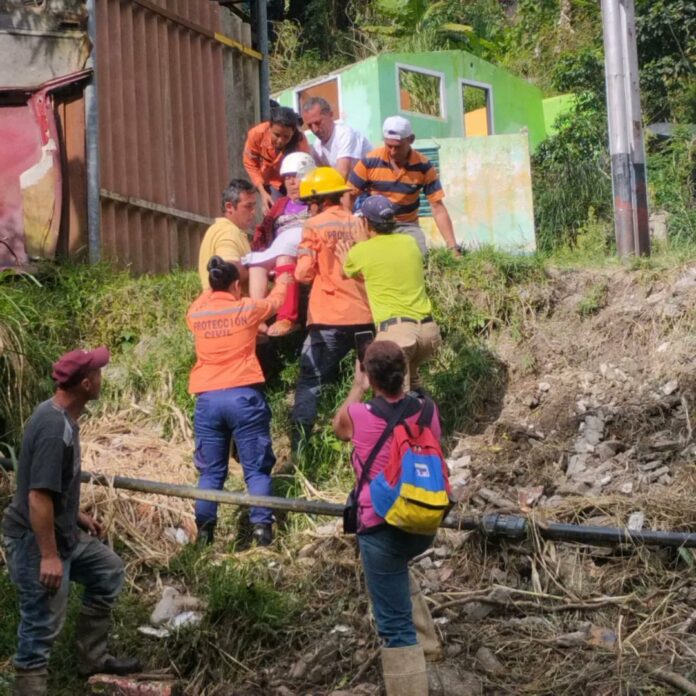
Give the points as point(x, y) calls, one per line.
point(385, 550)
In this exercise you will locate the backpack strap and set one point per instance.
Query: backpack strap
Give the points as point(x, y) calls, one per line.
point(384, 409)
point(393, 419)
point(426, 416)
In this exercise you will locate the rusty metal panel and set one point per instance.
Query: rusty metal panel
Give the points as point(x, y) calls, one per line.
point(163, 128)
point(72, 241)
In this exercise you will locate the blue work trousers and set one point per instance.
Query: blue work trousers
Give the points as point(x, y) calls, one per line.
point(322, 352)
point(42, 612)
point(385, 554)
point(243, 414)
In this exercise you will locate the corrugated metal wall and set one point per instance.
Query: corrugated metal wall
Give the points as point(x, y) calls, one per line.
point(163, 131)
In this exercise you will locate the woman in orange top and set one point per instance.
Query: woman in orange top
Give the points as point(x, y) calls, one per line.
point(228, 381)
point(266, 145)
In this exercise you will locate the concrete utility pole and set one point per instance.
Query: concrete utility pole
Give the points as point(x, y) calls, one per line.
point(626, 144)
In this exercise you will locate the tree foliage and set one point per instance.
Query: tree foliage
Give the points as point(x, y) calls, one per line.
point(556, 44)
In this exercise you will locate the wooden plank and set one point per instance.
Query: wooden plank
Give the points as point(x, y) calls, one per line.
point(155, 207)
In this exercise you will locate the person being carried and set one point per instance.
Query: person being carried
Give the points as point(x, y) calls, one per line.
point(50, 543)
point(400, 173)
point(337, 145)
point(266, 145)
point(227, 236)
point(392, 267)
point(338, 307)
point(385, 550)
point(276, 240)
point(228, 383)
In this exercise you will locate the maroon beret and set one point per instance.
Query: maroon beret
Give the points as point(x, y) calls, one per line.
point(72, 366)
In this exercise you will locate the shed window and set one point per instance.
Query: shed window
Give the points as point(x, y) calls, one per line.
point(420, 92)
point(476, 104)
point(327, 90)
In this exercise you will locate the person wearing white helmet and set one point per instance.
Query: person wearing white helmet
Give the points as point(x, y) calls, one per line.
point(275, 242)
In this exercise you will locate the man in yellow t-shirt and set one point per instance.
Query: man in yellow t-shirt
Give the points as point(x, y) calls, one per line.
point(227, 236)
point(391, 265)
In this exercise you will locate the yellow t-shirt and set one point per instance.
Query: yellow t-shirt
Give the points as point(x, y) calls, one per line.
point(392, 267)
point(224, 239)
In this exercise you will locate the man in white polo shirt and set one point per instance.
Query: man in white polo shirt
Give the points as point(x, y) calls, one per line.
point(337, 145)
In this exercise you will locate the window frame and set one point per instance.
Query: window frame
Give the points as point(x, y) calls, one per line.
point(430, 73)
point(314, 83)
point(490, 107)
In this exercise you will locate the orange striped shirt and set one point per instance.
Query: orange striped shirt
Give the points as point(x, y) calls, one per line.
point(262, 160)
point(374, 174)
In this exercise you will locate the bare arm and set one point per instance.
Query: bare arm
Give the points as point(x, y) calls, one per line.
point(344, 166)
point(444, 225)
point(243, 271)
point(342, 422)
point(41, 518)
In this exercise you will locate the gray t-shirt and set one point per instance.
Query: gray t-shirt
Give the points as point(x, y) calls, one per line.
point(50, 461)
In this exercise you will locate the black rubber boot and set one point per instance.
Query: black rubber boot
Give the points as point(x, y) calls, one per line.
point(262, 534)
point(92, 631)
point(30, 682)
point(206, 533)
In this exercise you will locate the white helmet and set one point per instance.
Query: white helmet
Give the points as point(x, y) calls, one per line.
point(298, 163)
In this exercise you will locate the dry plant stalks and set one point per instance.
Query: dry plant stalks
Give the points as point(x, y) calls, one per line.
point(676, 680)
point(121, 445)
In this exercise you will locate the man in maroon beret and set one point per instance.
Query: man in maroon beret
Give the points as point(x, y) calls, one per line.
point(50, 542)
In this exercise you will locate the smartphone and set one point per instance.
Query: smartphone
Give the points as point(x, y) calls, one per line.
point(362, 341)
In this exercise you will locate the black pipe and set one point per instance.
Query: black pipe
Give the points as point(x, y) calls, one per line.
point(494, 525)
point(491, 525)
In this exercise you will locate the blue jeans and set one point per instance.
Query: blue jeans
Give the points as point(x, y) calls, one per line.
point(243, 414)
point(42, 613)
point(385, 555)
point(321, 355)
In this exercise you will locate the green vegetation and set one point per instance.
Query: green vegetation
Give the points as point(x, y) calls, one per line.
point(142, 321)
point(558, 46)
point(594, 300)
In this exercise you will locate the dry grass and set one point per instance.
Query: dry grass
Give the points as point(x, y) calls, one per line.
point(124, 445)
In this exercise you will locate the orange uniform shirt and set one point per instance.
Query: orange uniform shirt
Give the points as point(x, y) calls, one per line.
point(262, 160)
point(334, 300)
point(224, 330)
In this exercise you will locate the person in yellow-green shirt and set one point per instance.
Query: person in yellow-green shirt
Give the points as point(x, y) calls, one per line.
point(391, 265)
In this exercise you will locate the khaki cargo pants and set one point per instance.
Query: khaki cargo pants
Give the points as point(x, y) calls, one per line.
point(418, 341)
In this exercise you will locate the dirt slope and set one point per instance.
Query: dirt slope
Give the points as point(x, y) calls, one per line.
point(595, 425)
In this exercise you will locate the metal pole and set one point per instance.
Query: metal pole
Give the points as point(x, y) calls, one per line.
point(92, 143)
point(639, 184)
point(494, 525)
point(264, 70)
point(618, 135)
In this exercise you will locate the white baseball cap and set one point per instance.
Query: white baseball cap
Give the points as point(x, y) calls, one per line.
point(397, 128)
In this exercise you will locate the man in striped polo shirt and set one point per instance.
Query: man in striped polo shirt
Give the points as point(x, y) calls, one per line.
point(399, 172)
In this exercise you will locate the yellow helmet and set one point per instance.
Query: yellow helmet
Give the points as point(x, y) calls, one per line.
point(323, 181)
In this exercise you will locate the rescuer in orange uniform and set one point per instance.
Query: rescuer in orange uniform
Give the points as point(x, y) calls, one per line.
point(228, 381)
point(338, 307)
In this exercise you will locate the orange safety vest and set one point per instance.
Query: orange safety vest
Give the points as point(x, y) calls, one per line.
point(224, 330)
point(334, 300)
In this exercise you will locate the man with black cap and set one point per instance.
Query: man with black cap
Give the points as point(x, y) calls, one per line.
point(392, 268)
point(50, 542)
